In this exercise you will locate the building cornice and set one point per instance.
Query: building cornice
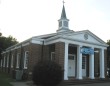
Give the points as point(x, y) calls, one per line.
point(70, 40)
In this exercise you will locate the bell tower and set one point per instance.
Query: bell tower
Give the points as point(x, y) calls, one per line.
point(63, 21)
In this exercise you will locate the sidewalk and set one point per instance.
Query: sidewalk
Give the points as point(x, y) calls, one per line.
point(19, 84)
point(29, 83)
point(95, 84)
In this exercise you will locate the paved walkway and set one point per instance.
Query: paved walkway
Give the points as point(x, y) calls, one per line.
point(27, 84)
point(19, 83)
point(95, 84)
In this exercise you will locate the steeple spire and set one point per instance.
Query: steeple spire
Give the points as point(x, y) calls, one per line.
point(63, 15)
point(63, 21)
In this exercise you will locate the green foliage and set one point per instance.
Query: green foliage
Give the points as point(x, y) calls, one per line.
point(6, 42)
point(5, 79)
point(0, 34)
point(47, 73)
point(108, 42)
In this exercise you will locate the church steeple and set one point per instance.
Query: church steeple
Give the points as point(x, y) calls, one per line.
point(63, 21)
point(63, 15)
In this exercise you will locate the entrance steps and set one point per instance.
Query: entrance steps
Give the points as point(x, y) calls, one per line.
point(84, 81)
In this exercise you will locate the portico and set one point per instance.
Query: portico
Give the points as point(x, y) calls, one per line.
point(78, 70)
point(80, 64)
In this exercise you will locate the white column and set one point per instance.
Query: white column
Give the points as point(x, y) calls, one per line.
point(91, 66)
point(79, 62)
point(102, 74)
point(66, 62)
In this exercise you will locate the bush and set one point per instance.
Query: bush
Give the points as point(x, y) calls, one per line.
point(47, 73)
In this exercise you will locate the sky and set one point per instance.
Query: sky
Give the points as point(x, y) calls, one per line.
point(24, 19)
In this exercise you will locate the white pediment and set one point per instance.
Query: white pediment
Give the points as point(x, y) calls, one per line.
point(86, 36)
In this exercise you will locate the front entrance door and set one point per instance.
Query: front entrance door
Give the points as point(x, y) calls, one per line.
point(83, 65)
point(71, 65)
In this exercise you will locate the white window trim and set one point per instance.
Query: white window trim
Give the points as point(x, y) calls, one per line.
point(12, 61)
point(72, 55)
point(85, 61)
point(1, 62)
point(7, 60)
point(26, 57)
point(51, 54)
point(18, 60)
point(4, 61)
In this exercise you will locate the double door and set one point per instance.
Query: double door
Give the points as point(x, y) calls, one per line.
point(71, 65)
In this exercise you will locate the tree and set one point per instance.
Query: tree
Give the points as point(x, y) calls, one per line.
point(108, 42)
point(47, 73)
point(0, 34)
point(6, 42)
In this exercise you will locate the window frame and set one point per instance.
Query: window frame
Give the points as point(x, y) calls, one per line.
point(84, 62)
point(60, 23)
point(1, 63)
point(12, 60)
point(7, 61)
point(52, 56)
point(4, 61)
point(26, 59)
point(65, 23)
point(73, 55)
point(18, 60)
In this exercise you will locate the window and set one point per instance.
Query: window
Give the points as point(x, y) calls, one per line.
point(1, 62)
point(52, 56)
point(71, 57)
point(26, 59)
point(65, 23)
point(4, 61)
point(7, 60)
point(60, 23)
point(83, 62)
point(18, 60)
point(12, 61)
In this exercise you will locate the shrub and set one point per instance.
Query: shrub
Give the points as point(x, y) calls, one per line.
point(47, 73)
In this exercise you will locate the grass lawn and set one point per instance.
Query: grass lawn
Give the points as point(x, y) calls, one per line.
point(5, 79)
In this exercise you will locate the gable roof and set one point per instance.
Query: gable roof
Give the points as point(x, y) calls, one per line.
point(89, 33)
point(79, 37)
